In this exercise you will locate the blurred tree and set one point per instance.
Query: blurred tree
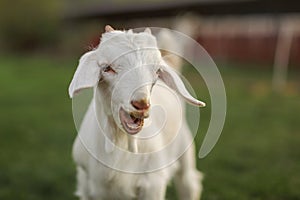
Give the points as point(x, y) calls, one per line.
point(29, 24)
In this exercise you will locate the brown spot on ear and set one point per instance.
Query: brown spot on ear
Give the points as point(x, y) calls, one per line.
point(108, 28)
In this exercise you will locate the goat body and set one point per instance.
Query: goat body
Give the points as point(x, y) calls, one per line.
point(137, 161)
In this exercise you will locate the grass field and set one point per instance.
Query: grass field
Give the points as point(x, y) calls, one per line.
point(257, 156)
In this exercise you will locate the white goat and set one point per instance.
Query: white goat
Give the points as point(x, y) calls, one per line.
point(128, 72)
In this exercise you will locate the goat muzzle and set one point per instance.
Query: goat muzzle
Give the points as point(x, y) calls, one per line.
point(142, 104)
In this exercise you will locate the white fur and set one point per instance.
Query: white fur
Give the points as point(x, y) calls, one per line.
point(97, 181)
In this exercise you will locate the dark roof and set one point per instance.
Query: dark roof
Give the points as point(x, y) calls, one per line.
point(140, 10)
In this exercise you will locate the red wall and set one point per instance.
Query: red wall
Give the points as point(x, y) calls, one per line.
point(254, 49)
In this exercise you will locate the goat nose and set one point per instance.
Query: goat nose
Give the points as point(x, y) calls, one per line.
point(142, 104)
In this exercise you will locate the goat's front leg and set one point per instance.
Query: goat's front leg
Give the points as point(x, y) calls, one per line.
point(188, 179)
point(152, 188)
point(82, 184)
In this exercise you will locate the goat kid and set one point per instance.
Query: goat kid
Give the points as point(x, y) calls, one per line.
point(123, 150)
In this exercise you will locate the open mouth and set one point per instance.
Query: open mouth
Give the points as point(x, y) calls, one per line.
point(132, 124)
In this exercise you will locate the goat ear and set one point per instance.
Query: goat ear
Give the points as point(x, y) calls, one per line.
point(108, 28)
point(171, 79)
point(86, 75)
point(148, 30)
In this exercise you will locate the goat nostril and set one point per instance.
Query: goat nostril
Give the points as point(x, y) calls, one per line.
point(141, 104)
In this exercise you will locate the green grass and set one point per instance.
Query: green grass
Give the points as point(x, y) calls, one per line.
point(37, 130)
point(257, 156)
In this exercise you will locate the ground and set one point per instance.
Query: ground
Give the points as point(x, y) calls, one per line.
point(257, 156)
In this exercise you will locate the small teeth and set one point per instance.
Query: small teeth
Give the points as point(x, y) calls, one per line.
point(131, 127)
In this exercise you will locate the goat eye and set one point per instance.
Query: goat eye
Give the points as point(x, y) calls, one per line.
point(158, 71)
point(109, 69)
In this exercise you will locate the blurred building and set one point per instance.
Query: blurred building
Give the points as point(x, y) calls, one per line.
point(251, 38)
point(249, 31)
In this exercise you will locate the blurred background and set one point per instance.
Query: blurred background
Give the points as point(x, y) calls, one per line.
point(255, 44)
